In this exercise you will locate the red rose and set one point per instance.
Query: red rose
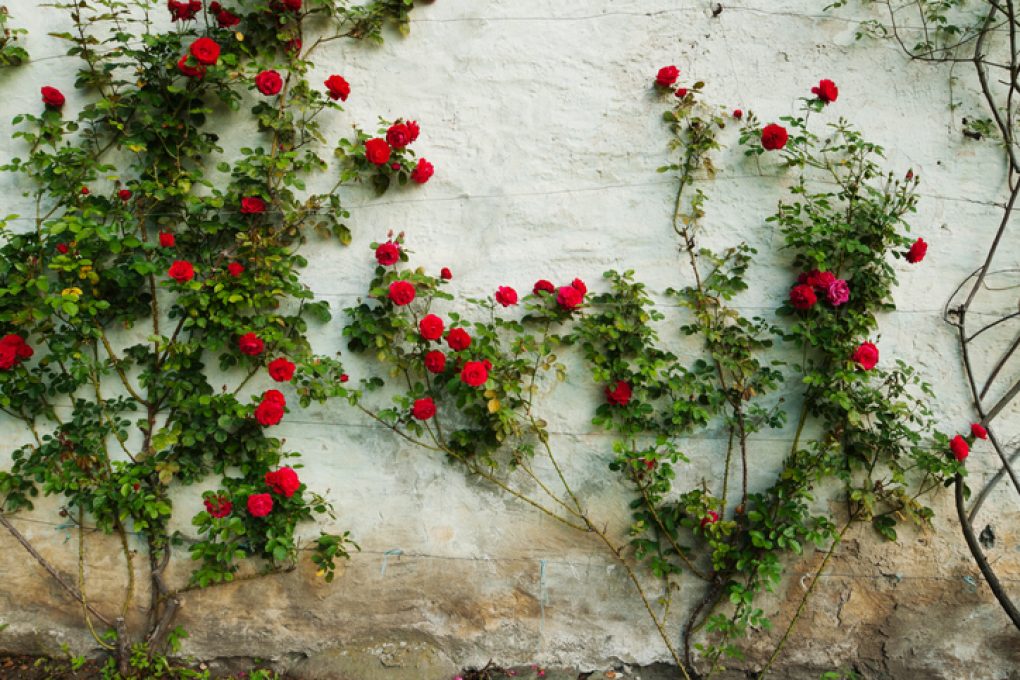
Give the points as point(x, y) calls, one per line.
point(377, 151)
point(413, 129)
point(235, 269)
point(826, 91)
point(269, 412)
point(959, 447)
point(218, 506)
point(817, 279)
point(431, 327)
point(395, 166)
point(205, 51)
point(487, 364)
point(423, 171)
point(187, 69)
point(977, 430)
point(62, 248)
point(275, 396)
point(252, 205)
point(680, 93)
point(620, 394)
point(401, 293)
point(344, 377)
point(578, 285)
point(738, 114)
point(292, 5)
point(458, 339)
point(802, 297)
point(124, 195)
point(435, 361)
point(917, 251)
point(250, 344)
point(387, 253)
point(666, 76)
point(294, 46)
point(181, 271)
point(269, 83)
point(445, 274)
point(398, 136)
point(283, 481)
point(423, 409)
point(52, 97)
point(866, 356)
point(543, 286)
point(281, 370)
point(183, 10)
point(8, 357)
point(569, 297)
point(13, 350)
point(474, 373)
point(85, 191)
point(774, 137)
point(226, 19)
point(506, 296)
point(338, 88)
point(167, 240)
point(711, 517)
point(260, 504)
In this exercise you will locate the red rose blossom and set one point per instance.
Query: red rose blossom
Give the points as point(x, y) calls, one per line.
point(235, 269)
point(52, 97)
point(680, 93)
point(344, 377)
point(181, 271)
point(666, 76)
point(183, 10)
point(260, 504)
point(817, 279)
point(423, 171)
point(13, 350)
point(866, 356)
point(269, 83)
point(124, 195)
point(188, 70)
point(218, 506)
point(959, 447)
point(62, 248)
point(458, 339)
point(543, 286)
point(711, 517)
point(474, 373)
point(401, 293)
point(738, 114)
point(225, 18)
point(826, 91)
point(620, 394)
point(85, 191)
point(205, 50)
point(250, 344)
point(167, 240)
point(387, 253)
point(292, 5)
point(284, 481)
point(252, 205)
point(431, 327)
point(774, 137)
point(281, 370)
point(398, 136)
point(423, 409)
point(569, 297)
point(435, 361)
point(917, 251)
point(802, 297)
point(578, 285)
point(978, 431)
point(445, 274)
point(413, 129)
point(338, 88)
point(377, 151)
point(269, 412)
point(506, 296)
point(274, 395)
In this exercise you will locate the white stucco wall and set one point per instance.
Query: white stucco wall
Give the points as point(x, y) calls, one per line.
point(546, 136)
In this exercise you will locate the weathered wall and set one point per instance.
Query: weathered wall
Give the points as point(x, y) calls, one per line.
point(539, 117)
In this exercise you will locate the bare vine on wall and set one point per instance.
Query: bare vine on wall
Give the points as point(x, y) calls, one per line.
point(982, 36)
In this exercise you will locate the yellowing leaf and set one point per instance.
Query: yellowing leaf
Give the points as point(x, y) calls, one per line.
point(493, 405)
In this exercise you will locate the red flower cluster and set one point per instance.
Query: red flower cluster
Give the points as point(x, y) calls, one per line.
point(399, 135)
point(250, 344)
point(13, 350)
point(52, 97)
point(181, 271)
point(183, 10)
point(811, 285)
point(281, 370)
point(774, 137)
point(270, 409)
point(387, 253)
point(223, 17)
point(569, 297)
point(826, 91)
point(218, 506)
point(620, 394)
point(337, 88)
point(269, 83)
point(284, 482)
